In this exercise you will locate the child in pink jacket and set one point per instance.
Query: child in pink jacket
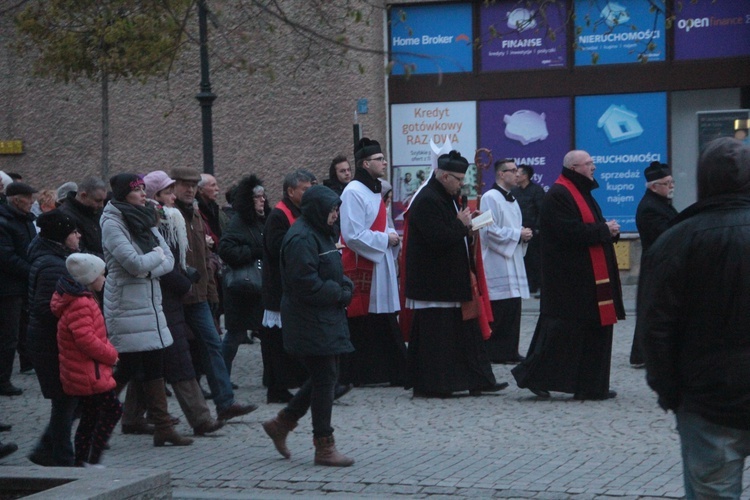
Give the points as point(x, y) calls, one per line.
point(86, 355)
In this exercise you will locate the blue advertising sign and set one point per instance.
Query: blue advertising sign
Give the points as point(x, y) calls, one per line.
point(622, 31)
point(623, 134)
point(535, 132)
point(431, 38)
point(515, 37)
point(712, 29)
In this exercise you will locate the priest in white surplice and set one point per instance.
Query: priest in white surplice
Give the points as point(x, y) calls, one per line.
point(503, 247)
point(369, 261)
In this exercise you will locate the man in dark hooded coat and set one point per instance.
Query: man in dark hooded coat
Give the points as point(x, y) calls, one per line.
point(694, 310)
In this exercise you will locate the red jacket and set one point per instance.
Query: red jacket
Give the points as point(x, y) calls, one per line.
point(86, 355)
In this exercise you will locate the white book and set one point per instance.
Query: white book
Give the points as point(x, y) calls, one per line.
point(482, 220)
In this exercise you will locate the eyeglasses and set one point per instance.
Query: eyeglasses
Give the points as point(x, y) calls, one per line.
point(459, 179)
point(381, 159)
point(259, 196)
point(589, 163)
point(513, 170)
point(665, 183)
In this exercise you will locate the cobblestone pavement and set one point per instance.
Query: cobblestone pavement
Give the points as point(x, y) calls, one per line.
point(505, 445)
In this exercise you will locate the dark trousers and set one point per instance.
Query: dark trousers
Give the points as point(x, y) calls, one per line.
point(55, 447)
point(99, 416)
point(316, 394)
point(10, 321)
point(143, 366)
point(502, 346)
point(533, 264)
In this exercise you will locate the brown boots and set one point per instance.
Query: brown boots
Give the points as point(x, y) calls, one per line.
point(156, 400)
point(326, 453)
point(278, 428)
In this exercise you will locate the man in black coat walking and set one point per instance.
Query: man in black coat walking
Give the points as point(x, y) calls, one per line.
point(571, 349)
point(654, 214)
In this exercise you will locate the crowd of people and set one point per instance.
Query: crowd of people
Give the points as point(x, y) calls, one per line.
point(105, 287)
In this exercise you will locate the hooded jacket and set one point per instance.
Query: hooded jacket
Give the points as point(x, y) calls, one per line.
point(86, 356)
point(241, 244)
point(694, 296)
point(315, 290)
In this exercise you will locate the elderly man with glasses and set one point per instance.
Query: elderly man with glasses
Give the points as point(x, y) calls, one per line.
point(653, 217)
point(571, 350)
point(445, 353)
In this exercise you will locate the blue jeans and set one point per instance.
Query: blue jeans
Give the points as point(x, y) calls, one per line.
point(55, 447)
point(201, 322)
point(713, 457)
point(230, 345)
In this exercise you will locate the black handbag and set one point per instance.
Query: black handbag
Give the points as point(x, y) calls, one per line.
point(245, 279)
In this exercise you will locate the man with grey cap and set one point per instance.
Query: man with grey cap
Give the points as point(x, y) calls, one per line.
point(197, 311)
point(654, 213)
point(694, 310)
point(16, 232)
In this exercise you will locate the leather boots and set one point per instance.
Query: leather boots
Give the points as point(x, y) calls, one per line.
point(326, 453)
point(278, 428)
point(156, 400)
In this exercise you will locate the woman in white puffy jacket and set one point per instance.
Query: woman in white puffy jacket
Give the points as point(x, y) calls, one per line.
point(136, 256)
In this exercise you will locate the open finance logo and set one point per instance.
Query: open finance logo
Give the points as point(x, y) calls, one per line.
point(438, 39)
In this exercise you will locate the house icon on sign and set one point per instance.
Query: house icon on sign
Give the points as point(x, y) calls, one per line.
point(620, 124)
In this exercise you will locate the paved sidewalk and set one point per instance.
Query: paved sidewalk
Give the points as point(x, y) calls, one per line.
point(506, 445)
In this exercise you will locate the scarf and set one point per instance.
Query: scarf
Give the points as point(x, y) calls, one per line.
point(604, 296)
point(174, 231)
point(139, 221)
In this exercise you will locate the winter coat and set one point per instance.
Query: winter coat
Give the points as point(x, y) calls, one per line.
point(241, 244)
point(47, 267)
point(694, 310)
point(568, 275)
point(315, 290)
point(438, 267)
point(16, 232)
point(132, 295)
point(197, 256)
point(178, 364)
point(652, 218)
point(87, 222)
point(86, 355)
point(277, 225)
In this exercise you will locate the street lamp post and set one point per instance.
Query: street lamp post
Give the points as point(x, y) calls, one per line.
point(205, 97)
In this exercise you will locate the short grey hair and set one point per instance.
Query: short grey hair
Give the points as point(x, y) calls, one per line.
point(91, 185)
point(292, 180)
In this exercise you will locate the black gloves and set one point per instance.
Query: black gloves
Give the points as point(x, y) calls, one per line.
point(193, 274)
point(347, 287)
